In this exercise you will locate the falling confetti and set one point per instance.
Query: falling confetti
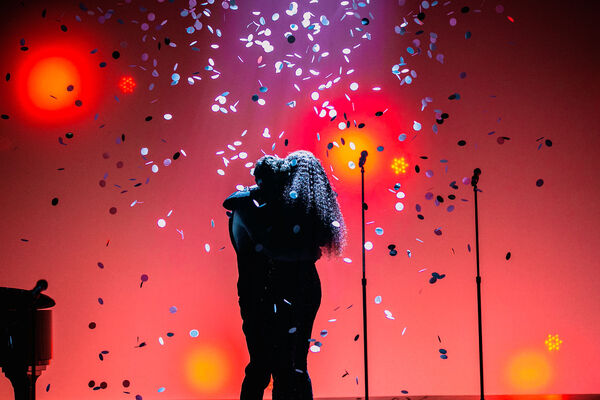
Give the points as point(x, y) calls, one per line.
point(181, 61)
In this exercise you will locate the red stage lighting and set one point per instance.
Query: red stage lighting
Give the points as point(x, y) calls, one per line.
point(344, 150)
point(529, 371)
point(53, 83)
point(57, 83)
point(207, 368)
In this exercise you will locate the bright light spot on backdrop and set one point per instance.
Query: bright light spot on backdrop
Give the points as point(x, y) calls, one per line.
point(364, 123)
point(126, 84)
point(58, 83)
point(207, 369)
point(529, 371)
point(344, 150)
point(53, 83)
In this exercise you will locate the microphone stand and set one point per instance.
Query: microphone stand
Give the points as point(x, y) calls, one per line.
point(474, 181)
point(361, 164)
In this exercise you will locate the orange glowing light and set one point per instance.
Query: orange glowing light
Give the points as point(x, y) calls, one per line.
point(553, 342)
point(57, 83)
point(126, 84)
point(344, 155)
point(529, 371)
point(53, 83)
point(207, 369)
point(399, 165)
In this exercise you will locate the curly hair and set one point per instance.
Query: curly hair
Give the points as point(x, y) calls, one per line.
point(300, 183)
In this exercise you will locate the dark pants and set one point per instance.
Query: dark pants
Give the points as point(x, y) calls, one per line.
point(278, 325)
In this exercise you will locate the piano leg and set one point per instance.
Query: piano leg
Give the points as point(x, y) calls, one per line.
point(21, 381)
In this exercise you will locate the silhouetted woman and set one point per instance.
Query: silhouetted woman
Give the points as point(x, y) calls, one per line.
point(279, 228)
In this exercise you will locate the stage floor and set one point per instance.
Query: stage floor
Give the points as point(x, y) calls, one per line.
point(471, 397)
point(477, 397)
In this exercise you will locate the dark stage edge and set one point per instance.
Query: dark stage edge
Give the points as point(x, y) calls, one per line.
point(471, 397)
point(477, 397)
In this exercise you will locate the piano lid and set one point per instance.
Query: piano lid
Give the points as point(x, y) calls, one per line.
point(14, 299)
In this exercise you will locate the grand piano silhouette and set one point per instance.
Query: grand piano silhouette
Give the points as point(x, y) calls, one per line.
point(25, 336)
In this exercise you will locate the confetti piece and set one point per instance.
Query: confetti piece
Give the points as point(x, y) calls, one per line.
point(435, 276)
point(443, 354)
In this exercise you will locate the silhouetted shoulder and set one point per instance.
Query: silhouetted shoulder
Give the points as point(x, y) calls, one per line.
point(236, 199)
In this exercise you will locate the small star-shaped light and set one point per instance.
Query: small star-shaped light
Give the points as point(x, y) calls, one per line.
point(553, 342)
point(399, 165)
point(127, 84)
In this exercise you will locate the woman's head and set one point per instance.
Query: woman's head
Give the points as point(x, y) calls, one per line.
point(271, 174)
point(299, 182)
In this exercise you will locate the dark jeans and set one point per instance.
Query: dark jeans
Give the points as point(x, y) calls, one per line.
point(278, 326)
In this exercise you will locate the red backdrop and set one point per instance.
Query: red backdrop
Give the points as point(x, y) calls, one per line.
point(526, 110)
